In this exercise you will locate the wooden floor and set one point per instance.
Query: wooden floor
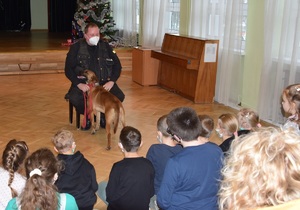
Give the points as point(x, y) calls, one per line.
point(32, 41)
point(32, 108)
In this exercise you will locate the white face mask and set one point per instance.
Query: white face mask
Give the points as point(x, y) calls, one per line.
point(219, 133)
point(94, 40)
point(159, 139)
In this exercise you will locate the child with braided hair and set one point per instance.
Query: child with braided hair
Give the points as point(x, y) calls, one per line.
point(42, 170)
point(11, 182)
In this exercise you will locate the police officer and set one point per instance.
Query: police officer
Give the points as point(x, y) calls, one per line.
point(97, 55)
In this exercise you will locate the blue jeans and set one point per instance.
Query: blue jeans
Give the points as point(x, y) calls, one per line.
point(101, 191)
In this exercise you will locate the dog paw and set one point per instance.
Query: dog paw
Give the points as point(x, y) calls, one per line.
point(93, 132)
point(108, 148)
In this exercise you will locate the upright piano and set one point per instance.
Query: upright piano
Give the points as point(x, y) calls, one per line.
point(188, 66)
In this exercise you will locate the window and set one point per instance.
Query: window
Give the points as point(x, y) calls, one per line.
point(217, 12)
point(137, 3)
point(244, 24)
point(173, 16)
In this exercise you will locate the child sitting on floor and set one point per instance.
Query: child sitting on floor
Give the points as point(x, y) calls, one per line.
point(159, 154)
point(291, 106)
point(131, 180)
point(227, 130)
point(78, 177)
point(248, 121)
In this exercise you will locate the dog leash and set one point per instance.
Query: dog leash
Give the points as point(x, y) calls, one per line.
point(88, 111)
point(85, 116)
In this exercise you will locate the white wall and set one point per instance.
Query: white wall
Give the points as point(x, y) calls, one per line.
point(39, 14)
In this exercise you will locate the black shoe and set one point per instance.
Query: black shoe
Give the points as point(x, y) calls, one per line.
point(87, 126)
point(102, 121)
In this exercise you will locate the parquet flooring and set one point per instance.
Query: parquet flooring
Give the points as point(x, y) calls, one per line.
point(32, 108)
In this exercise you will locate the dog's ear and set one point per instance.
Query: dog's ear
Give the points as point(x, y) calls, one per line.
point(94, 79)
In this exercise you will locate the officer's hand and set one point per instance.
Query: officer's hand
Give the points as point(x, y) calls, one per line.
point(83, 87)
point(107, 86)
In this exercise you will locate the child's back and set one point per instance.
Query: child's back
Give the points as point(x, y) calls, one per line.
point(159, 154)
point(191, 177)
point(130, 184)
point(78, 177)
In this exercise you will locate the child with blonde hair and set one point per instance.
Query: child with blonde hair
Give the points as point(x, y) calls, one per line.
point(291, 106)
point(262, 172)
point(227, 128)
point(248, 120)
point(79, 176)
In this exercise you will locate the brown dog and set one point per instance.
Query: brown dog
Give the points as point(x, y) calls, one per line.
point(100, 100)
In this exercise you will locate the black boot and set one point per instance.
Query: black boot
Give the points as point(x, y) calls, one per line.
point(102, 120)
point(87, 125)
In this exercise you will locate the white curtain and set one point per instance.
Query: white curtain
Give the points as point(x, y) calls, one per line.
point(154, 22)
point(222, 20)
point(124, 14)
point(281, 56)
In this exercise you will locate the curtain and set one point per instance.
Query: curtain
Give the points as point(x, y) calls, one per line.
point(154, 22)
point(15, 15)
point(222, 20)
point(200, 16)
point(124, 14)
point(61, 14)
point(281, 56)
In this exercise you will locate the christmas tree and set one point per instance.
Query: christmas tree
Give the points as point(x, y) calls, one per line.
point(98, 12)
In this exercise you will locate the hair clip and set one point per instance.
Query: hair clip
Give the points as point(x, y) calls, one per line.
point(298, 89)
point(174, 136)
point(35, 171)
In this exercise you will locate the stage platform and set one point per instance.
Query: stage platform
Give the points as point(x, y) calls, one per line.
point(41, 52)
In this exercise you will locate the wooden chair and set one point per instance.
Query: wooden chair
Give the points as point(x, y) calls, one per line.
point(71, 115)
